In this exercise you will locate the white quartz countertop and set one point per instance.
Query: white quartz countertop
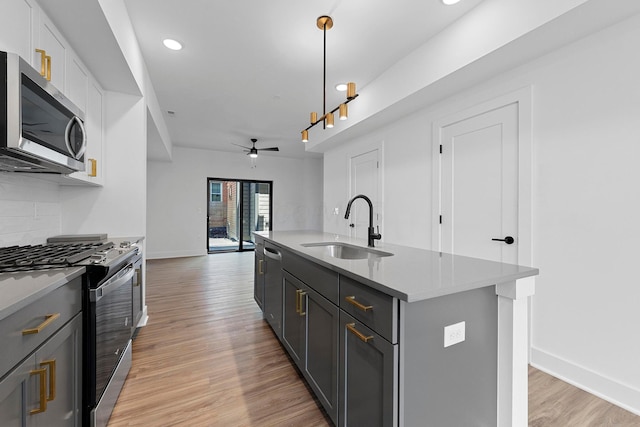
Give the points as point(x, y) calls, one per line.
point(18, 290)
point(410, 274)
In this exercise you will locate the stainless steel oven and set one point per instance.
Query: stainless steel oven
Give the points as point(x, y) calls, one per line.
point(109, 321)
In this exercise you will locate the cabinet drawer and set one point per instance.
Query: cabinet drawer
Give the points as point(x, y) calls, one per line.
point(375, 309)
point(49, 314)
point(321, 279)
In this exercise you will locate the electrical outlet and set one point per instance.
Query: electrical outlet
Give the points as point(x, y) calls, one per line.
point(336, 211)
point(454, 334)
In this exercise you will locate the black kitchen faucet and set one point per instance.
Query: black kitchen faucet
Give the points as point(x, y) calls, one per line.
point(371, 234)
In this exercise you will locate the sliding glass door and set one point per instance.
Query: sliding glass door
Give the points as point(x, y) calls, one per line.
point(236, 208)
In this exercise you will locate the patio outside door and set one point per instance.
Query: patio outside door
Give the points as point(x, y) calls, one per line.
point(236, 208)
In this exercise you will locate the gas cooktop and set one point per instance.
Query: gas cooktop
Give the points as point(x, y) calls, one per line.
point(52, 255)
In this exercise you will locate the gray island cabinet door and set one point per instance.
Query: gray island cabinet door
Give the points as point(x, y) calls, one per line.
point(258, 279)
point(294, 319)
point(368, 376)
point(321, 364)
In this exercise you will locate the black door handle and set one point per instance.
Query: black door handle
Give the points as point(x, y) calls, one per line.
point(508, 240)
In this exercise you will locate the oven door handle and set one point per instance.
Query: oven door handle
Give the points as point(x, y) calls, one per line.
point(112, 284)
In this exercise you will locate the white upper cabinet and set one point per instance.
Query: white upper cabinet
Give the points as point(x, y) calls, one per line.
point(77, 84)
point(26, 30)
point(17, 27)
point(93, 157)
point(54, 58)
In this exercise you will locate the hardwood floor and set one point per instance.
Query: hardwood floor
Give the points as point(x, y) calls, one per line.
point(207, 358)
point(554, 403)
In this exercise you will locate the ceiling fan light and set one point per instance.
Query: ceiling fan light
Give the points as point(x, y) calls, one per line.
point(305, 135)
point(343, 112)
point(329, 120)
point(253, 154)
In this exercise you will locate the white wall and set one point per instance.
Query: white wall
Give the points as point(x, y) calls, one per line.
point(33, 209)
point(117, 208)
point(405, 169)
point(29, 210)
point(586, 203)
point(177, 196)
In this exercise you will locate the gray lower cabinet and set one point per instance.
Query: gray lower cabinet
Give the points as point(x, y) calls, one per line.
point(368, 376)
point(294, 318)
point(311, 335)
point(45, 389)
point(321, 365)
point(373, 360)
point(258, 282)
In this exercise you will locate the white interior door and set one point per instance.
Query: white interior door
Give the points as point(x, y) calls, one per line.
point(479, 185)
point(364, 180)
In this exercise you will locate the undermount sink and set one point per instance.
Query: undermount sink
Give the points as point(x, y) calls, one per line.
point(347, 251)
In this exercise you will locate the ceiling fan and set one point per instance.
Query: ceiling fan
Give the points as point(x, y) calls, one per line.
point(253, 151)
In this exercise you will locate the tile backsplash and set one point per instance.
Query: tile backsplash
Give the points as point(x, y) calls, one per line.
point(29, 209)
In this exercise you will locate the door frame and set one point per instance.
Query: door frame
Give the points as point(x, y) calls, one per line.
point(379, 147)
point(522, 98)
point(241, 211)
point(377, 202)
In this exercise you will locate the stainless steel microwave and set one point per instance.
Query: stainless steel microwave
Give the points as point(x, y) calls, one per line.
point(41, 130)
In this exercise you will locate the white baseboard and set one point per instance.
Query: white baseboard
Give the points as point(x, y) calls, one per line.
point(144, 318)
point(172, 254)
point(605, 388)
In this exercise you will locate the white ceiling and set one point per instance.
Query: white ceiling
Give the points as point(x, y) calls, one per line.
point(253, 68)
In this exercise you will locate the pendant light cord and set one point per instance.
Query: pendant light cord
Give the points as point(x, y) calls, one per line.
point(324, 77)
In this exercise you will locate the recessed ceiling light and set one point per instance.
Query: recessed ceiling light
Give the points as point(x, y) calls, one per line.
point(172, 44)
point(341, 87)
point(450, 2)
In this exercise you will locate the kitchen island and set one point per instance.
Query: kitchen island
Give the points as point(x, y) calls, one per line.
point(400, 336)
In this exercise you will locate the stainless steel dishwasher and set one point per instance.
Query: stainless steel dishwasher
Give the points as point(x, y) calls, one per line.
point(273, 287)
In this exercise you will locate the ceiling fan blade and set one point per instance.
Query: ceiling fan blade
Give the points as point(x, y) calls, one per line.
point(238, 145)
point(268, 149)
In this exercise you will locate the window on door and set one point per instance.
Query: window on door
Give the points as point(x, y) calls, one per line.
point(216, 191)
point(237, 208)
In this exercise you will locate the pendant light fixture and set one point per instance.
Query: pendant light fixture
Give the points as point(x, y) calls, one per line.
point(325, 23)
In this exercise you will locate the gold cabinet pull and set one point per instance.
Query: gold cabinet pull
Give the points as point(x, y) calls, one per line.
point(300, 297)
point(352, 328)
point(93, 167)
point(260, 266)
point(48, 58)
point(298, 300)
point(352, 300)
point(42, 373)
point(49, 319)
point(43, 62)
point(52, 377)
